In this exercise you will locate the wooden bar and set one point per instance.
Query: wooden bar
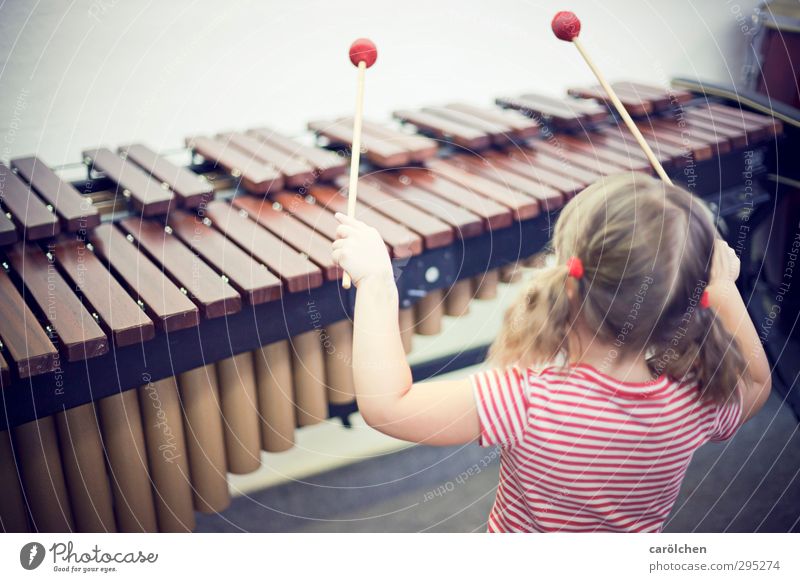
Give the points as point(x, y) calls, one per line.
point(420, 148)
point(548, 197)
point(327, 165)
point(434, 232)
point(464, 136)
point(294, 269)
point(697, 148)
point(611, 161)
point(568, 187)
point(28, 212)
point(556, 163)
point(464, 223)
point(379, 151)
point(192, 190)
point(291, 231)
point(500, 134)
point(254, 176)
point(119, 315)
point(79, 335)
point(520, 127)
point(210, 292)
point(719, 143)
point(250, 278)
point(522, 206)
point(636, 106)
point(170, 309)
point(403, 242)
point(8, 232)
point(296, 172)
point(28, 346)
point(148, 196)
point(494, 214)
point(75, 211)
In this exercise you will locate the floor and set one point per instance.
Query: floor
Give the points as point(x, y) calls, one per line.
point(750, 484)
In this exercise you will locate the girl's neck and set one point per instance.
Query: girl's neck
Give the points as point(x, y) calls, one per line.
point(585, 348)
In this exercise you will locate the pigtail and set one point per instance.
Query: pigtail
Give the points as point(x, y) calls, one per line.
point(535, 326)
point(707, 353)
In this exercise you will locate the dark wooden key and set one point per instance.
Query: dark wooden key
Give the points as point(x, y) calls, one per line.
point(499, 133)
point(8, 232)
point(757, 130)
point(290, 230)
point(434, 232)
point(420, 148)
point(295, 171)
point(700, 149)
point(548, 197)
point(170, 309)
point(774, 125)
point(736, 137)
point(75, 211)
point(381, 152)
point(211, 292)
point(192, 190)
point(558, 164)
point(595, 157)
point(494, 214)
point(402, 241)
point(254, 175)
point(567, 185)
point(29, 348)
point(658, 100)
point(119, 315)
point(719, 143)
point(250, 278)
point(592, 110)
point(327, 165)
point(5, 372)
point(555, 116)
point(518, 126)
point(148, 196)
point(522, 205)
point(456, 132)
point(464, 223)
point(294, 269)
point(663, 150)
point(79, 335)
point(675, 95)
point(636, 105)
point(306, 210)
point(28, 212)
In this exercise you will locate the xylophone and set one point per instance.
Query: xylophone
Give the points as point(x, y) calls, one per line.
point(163, 324)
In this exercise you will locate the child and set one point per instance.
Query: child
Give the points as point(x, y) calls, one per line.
point(620, 359)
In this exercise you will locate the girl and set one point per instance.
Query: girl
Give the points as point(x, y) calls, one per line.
point(622, 357)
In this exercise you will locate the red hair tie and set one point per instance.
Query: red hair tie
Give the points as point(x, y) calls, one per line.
point(705, 301)
point(575, 266)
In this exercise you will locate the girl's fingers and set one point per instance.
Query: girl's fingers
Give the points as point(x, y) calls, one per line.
point(344, 230)
point(339, 243)
point(344, 219)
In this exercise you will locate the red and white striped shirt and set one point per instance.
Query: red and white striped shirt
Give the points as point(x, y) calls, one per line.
point(581, 451)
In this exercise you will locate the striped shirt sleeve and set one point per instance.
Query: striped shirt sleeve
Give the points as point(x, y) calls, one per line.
point(502, 402)
point(727, 419)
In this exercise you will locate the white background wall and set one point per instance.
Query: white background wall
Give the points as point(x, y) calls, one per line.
point(85, 73)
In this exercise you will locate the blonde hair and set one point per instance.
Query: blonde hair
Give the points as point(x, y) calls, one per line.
point(646, 248)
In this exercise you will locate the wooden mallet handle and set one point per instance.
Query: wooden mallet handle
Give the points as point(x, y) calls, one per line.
point(363, 55)
point(566, 26)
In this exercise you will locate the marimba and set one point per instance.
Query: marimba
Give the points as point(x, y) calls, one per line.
point(163, 324)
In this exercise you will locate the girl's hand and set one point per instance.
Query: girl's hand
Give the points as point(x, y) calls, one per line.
point(724, 264)
point(360, 250)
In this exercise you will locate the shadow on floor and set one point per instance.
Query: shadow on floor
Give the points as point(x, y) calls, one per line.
point(749, 484)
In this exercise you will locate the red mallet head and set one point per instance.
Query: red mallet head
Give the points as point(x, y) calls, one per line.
point(363, 49)
point(566, 25)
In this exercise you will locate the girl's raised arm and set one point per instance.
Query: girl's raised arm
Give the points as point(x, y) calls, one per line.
point(435, 413)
